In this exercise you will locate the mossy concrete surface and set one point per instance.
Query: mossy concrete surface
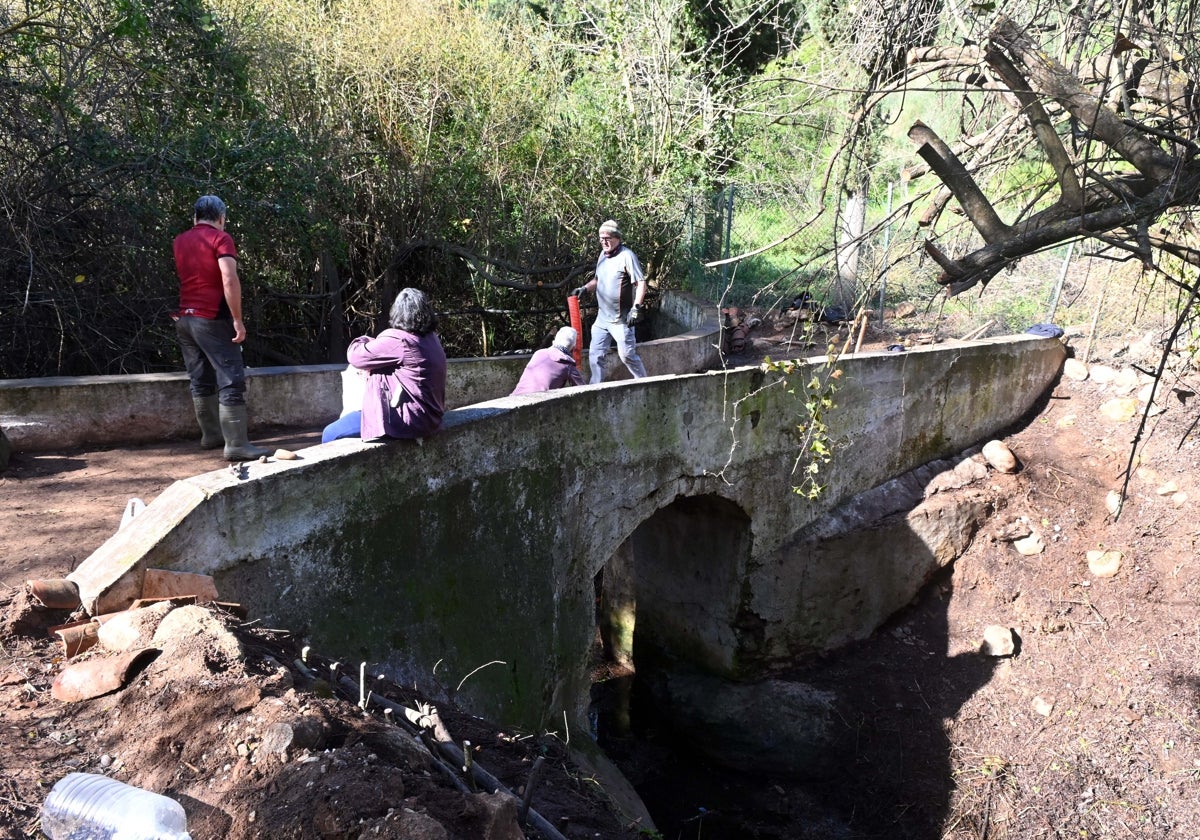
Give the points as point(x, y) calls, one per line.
point(467, 562)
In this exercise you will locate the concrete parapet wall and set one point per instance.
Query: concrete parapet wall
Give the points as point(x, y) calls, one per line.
point(66, 411)
point(468, 560)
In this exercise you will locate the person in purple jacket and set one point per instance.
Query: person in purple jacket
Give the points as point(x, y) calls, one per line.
point(405, 367)
point(553, 367)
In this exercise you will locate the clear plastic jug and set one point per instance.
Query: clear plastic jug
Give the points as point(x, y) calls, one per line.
point(84, 806)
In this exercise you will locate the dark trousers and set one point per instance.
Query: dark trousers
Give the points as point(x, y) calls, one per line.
point(213, 361)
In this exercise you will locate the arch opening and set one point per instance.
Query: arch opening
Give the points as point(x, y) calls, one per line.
point(667, 600)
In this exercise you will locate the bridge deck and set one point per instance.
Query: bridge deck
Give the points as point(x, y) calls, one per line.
point(62, 504)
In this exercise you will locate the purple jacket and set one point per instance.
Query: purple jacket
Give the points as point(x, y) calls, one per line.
point(406, 383)
point(549, 368)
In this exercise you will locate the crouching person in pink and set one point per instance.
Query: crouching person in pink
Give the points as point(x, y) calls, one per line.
point(405, 367)
point(553, 367)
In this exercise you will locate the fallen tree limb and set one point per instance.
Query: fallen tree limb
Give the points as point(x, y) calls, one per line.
point(953, 174)
point(1117, 191)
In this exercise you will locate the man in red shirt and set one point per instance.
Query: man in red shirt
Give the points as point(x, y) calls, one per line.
point(210, 330)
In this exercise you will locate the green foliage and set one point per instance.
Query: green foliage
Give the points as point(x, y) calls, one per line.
point(119, 113)
point(814, 388)
point(354, 141)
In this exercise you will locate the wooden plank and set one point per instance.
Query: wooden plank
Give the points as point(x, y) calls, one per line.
point(161, 583)
point(175, 601)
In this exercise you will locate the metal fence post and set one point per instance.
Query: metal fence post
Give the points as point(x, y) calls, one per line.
point(887, 239)
point(728, 237)
point(1062, 276)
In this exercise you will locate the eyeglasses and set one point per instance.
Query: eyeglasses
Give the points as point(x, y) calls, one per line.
point(606, 239)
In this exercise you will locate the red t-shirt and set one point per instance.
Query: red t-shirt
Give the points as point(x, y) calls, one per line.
point(201, 292)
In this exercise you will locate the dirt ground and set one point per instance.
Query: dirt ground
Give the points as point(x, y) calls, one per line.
point(1090, 729)
point(200, 732)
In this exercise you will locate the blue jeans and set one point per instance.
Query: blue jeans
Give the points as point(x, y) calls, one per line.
point(603, 336)
point(214, 363)
point(349, 426)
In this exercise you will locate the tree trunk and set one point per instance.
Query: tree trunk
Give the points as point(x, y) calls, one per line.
point(335, 327)
point(854, 221)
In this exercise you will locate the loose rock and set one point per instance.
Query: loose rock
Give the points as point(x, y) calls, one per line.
point(1030, 545)
point(1126, 381)
point(1000, 456)
point(1075, 369)
point(1013, 531)
point(964, 473)
point(1120, 410)
point(304, 733)
point(998, 641)
point(1112, 502)
point(1104, 564)
point(1144, 396)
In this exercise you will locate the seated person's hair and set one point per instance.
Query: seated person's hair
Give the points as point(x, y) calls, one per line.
point(564, 339)
point(412, 312)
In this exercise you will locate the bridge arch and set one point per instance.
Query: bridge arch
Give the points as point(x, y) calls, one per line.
point(676, 584)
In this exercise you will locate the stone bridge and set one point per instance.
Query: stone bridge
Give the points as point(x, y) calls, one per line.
point(480, 561)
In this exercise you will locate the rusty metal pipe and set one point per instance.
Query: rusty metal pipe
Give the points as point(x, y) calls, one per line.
point(55, 593)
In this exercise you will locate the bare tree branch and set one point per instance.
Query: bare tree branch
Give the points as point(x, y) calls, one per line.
point(954, 175)
point(1056, 81)
point(1060, 161)
point(1131, 180)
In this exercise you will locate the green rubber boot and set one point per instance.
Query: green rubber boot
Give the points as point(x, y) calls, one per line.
point(209, 419)
point(234, 428)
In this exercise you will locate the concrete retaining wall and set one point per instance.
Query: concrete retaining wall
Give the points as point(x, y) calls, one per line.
point(61, 412)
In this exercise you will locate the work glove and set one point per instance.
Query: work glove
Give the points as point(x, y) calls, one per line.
point(634, 316)
point(578, 292)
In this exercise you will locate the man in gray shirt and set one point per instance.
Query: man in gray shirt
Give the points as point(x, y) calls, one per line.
point(620, 287)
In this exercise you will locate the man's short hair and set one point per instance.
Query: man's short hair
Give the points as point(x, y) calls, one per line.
point(209, 208)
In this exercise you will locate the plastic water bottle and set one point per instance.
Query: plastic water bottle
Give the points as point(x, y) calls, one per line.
point(84, 806)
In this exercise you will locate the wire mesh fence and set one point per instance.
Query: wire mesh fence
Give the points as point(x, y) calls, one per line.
point(764, 244)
